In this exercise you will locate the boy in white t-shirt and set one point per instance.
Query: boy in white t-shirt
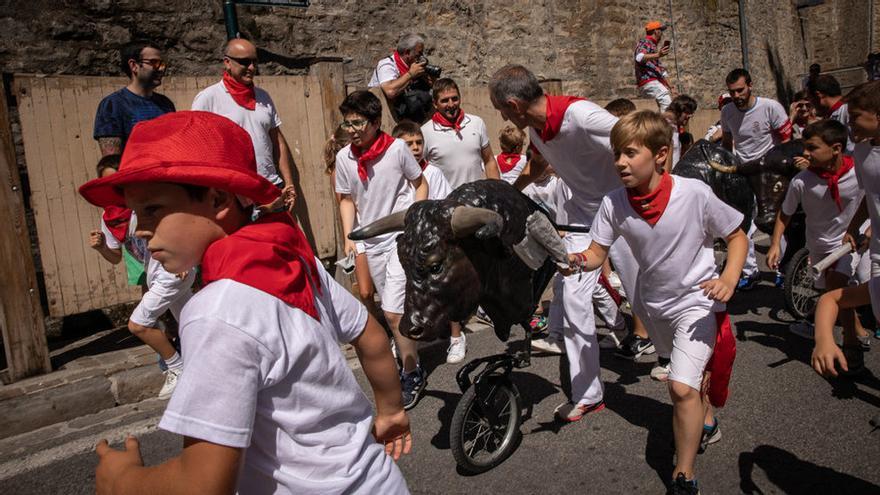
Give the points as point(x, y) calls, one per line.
point(671, 224)
point(830, 194)
point(376, 175)
point(267, 403)
point(864, 122)
point(511, 160)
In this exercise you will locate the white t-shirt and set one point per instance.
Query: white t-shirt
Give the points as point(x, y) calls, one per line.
point(752, 130)
point(386, 70)
point(511, 175)
point(386, 191)
point(676, 145)
point(438, 186)
point(544, 193)
point(457, 154)
point(581, 156)
point(265, 376)
point(675, 255)
point(842, 115)
point(867, 158)
point(257, 122)
point(826, 225)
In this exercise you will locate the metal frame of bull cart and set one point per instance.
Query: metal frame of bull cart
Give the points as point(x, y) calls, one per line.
point(489, 414)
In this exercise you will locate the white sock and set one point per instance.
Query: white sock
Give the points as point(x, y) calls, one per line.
point(175, 361)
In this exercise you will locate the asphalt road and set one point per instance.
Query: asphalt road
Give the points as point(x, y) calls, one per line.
point(785, 429)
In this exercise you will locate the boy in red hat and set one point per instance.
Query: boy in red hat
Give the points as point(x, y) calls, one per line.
point(267, 403)
point(651, 77)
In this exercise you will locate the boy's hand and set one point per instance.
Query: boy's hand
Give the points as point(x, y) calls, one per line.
point(718, 290)
point(288, 195)
point(96, 239)
point(574, 265)
point(824, 358)
point(349, 247)
point(801, 163)
point(773, 257)
point(392, 430)
point(113, 463)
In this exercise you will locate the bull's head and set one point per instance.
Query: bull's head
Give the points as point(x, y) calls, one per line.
point(443, 285)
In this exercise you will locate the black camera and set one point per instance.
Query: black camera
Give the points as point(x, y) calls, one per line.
point(432, 70)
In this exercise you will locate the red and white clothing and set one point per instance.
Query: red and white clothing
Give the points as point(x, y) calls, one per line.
point(511, 167)
point(457, 152)
point(165, 292)
point(257, 122)
point(274, 382)
point(674, 256)
point(757, 129)
point(386, 70)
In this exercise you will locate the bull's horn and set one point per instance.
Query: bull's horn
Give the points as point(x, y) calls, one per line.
point(724, 169)
point(468, 219)
point(384, 225)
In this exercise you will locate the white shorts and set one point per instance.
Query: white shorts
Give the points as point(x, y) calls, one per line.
point(657, 92)
point(388, 278)
point(688, 339)
point(359, 248)
point(168, 293)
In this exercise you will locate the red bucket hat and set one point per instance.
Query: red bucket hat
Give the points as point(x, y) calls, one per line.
point(197, 148)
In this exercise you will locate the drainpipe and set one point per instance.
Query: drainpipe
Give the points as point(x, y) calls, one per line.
point(744, 33)
point(231, 18)
point(674, 52)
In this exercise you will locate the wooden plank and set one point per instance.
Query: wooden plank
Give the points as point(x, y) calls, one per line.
point(21, 317)
point(332, 94)
point(322, 222)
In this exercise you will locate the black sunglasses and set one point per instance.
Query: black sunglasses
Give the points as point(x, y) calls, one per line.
point(244, 62)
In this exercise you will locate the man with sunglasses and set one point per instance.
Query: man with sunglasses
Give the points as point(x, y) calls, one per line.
point(237, 98)
point(118, 112)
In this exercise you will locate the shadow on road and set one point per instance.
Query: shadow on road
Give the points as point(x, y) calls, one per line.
point(792, 475)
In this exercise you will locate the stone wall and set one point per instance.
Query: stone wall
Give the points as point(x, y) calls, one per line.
point(838, 32)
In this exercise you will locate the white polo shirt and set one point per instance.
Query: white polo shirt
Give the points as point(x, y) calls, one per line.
point(826, 225)
point(257, 122)
point(511, 175)
point(266, 377)
point(545, 194)
point(581, 156)
point(386, 70)
point(867, 158)
point(752, 130)
point(438, 186)
point(675, 255)
point(387, 191)
point(457, 154)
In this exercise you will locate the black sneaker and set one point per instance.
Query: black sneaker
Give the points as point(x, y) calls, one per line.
point(634, 347)
point(683, 486)
point(855, 360)
point(710, 435)
point(412, 385)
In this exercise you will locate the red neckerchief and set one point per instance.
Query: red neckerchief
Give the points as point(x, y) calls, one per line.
point(652, 38)
point(556, 107)
point(271, 255)
point(652, 205)
point(401, 65)
point(116, 218)
point(379, 146)
point(423, 163)
point(832, 178)
point(441, 120)
point(242, 94)
point(834, 108)
point(506, 161)
point(720, 365)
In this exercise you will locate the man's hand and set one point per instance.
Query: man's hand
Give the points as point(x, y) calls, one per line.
point(113, 463)
point(393, 432)
point(417, 69)
point(288, 195)
point(718, 290)
point(824, 358)
point(96, 239)
point(350, 247)
point(773, 256)
point(664, 50)
point(801, 163)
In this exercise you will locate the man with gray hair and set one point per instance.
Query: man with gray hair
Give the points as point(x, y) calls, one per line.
point(395, 75)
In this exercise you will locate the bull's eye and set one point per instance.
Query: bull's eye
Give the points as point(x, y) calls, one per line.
point(777, 187)
point(436, 268)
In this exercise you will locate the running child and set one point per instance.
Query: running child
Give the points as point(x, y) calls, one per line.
point(267, 403)
point(511, 160)
point(670, 224)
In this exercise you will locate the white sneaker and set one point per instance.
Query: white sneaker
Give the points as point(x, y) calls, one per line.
point(171, 375)
point(803, 329)
point(548, 345)
point(660, 372)
point(457, 349)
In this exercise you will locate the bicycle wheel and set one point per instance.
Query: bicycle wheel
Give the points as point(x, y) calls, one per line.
point(800, 295)
point(485, 427)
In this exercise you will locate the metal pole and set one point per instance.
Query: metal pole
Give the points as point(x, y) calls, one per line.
point(231, 18)
point(744, 33)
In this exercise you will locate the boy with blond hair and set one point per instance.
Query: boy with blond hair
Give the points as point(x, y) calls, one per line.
point(511, 160)
point(670, 225)
point(267, 403)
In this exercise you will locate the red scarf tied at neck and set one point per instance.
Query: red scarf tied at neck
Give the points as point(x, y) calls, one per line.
point(507, 161)
point(242, 94)
point(402, 67)
point(271, 255)
point(441, 120)
point(423, 163)
point(556, 107)
point(834, 108)
point(117, 218)
point(652, 205)
point(832, 178)
point(379, 146)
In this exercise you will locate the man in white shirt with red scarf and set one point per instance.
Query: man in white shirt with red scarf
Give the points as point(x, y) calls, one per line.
point(397, 72)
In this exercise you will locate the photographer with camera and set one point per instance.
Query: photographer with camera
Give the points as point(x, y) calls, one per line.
point(406, 78)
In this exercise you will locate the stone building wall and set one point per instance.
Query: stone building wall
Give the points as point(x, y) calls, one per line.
point(838, 32)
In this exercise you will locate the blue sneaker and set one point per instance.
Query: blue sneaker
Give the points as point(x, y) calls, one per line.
point(877, 333)
point(747, 282)
point(780, 281)
point(412, 386)
point(683, 486)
